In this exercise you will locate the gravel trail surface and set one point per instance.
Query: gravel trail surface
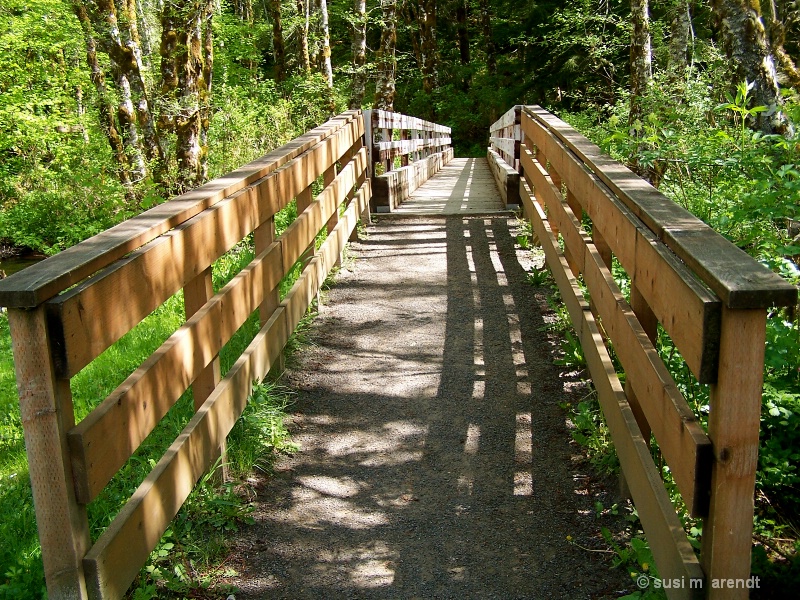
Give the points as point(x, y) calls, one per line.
point(435, 459)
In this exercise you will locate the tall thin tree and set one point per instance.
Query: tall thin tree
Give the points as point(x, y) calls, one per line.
point(385, 59)
point(278, 46)
point(359, 53)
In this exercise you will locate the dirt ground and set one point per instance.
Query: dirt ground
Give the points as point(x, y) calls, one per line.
point(435, 461)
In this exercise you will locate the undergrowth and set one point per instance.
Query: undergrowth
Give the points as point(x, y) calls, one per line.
point(189, 560)
point(745, 185)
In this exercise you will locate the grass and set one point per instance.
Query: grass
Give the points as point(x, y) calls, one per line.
point(184, 563)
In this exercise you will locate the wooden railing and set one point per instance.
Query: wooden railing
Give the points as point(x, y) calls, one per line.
point(421, 150)
point(503, 155)
point(707, 295)
point(68, 309)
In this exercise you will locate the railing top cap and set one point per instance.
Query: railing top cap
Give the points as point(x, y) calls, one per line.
point(42, 281)
point(738, 279)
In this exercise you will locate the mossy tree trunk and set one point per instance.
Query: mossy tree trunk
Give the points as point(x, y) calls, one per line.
point(278, 46)
point(359, 54)
point(386, 61)
point(748, 47)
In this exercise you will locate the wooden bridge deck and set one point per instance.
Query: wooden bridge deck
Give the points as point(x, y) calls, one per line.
point(463, 186)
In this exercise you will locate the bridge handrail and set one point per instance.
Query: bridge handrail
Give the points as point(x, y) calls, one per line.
point(423, 149)
point(719, 330)
point(124, 274)
point(419, 139)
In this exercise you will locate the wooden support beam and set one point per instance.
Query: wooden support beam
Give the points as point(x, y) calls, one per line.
point(47, 414)
point(733, 426)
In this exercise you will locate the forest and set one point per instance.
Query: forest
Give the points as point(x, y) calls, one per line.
point(109, 107)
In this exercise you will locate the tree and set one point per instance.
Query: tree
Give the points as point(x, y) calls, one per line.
point(303, 12)
point(776, 30)
point(359, 53)
point(385, 59)
point(427, 30)
point(488, 38)
point(325, 51)
point(139, 139)
point(278, 47)
point(748, 46)
point(113, 30)
point(680, 32)
point(641, 57)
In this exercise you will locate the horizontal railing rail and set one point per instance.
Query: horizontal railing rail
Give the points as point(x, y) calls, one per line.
point(418, 138)
point(400, 166)
point(64, 312)
point(707, 295)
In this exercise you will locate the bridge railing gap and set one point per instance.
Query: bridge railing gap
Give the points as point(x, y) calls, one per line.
point(709, 296)
point(422, 149)
point(64, 312)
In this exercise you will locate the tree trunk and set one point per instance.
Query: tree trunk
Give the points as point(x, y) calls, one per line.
point(303, 14)
point(387, 65)
point(641, 57)
point(185, 59)
point(488, 38)
point(748, 47)
point(463, 32)
point(244, 10)
point(776, 29)
point(680, 32)
point(107, 122)
point(359, 54)
point(278, 47)
point(327, 69)
point(427, 33)
point(462, 9)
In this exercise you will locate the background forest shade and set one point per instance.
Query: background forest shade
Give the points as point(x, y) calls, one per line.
point(226, 81)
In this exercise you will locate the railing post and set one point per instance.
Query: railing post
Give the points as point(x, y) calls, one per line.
point(47, 415)
point(369, 139)
point(195, 295)
point(733, 426)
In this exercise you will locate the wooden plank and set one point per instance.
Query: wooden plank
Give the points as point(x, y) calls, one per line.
point(509, 118)
point(106, 438)
point(673, 554)
point(739, 280)
point(733, 426)
point(566, 224)
point(36, 284)
point(87, 320)
point(683, 442)
point(687, 310)
point(103, 441)
point(46, 413)
point(195, 295)
point(117, 556)
point(113, 562)
point(302, 232)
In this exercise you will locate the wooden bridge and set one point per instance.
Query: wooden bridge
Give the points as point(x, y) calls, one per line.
point(707, 295)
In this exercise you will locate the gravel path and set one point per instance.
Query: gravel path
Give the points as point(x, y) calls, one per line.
point(436, 461)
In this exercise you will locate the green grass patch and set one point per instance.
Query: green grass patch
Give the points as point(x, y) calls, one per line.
point(184, 561)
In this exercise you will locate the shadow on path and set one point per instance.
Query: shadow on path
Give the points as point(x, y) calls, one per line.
point(435, 459)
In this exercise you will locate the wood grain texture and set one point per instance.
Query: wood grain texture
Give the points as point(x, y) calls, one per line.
point(734, 276)
point(687, 310)
point(42, 281)
point(87, 319)
point(733, 426)
point(46, 414)
point(102, 442)
point(116, 558)
point(673, 554)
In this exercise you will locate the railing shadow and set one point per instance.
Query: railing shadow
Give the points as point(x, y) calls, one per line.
point(441, 466)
